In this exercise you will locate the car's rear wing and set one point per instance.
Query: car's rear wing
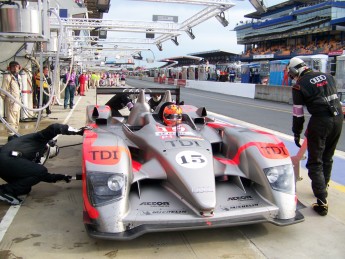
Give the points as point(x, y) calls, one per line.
point(107, 90)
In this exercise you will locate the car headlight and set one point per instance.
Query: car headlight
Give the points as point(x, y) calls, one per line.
point(104, 188)
point(116, 182)
point(281, 178)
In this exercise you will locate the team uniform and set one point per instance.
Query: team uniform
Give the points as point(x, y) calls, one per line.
point(19, 162)
point(317, 91)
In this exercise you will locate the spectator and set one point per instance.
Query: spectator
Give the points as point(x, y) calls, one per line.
point(12, 84)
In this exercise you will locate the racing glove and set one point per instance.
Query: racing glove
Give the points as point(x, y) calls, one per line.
point(62, 177)
point(297, 139)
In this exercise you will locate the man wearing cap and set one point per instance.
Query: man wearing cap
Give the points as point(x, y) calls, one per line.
point(12, 84)
point(317, 91)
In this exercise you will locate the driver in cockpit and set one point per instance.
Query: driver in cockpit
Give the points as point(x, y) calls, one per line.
point(172, 115)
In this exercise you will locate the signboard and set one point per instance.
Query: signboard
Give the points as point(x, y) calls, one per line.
point(164, 18)
point(263, 56)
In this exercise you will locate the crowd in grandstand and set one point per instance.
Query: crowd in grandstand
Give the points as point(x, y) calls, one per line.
point(319, 47)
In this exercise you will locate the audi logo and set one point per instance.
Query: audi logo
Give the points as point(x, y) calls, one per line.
point(318, 79)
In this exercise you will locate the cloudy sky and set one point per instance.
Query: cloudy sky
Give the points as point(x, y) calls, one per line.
point(210, 35)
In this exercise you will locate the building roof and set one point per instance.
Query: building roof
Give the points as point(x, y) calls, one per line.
point(180, 58)
point(273, 8)
point(210, 53)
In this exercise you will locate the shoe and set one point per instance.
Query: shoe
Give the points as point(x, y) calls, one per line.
point(11, 199)
point(49, 112)
point(65, 107)
point(320, 207)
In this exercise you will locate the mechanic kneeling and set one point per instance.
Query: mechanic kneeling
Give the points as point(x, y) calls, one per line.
point(19, 160)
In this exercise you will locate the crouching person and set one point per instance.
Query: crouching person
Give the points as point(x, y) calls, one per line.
point(19, 160)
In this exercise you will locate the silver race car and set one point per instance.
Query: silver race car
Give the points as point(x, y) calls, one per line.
point(140, 175)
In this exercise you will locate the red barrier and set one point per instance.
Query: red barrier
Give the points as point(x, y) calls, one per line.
point(181, 82)
point(171, 81)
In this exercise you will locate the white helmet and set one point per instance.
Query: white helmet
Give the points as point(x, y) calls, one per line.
point(296, 66)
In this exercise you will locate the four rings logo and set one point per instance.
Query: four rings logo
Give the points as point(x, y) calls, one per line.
point(318, 79)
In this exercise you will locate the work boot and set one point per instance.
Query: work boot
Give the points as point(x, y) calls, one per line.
point(321, 207)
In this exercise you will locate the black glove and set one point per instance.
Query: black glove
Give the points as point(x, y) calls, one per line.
point(67, 178)
point(297, 139)
point(62, 177)
point(73, 131)
point(82, 129)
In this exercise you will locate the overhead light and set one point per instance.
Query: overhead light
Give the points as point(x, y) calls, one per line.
point(190, 34)
point(150, 35)
point(259, 5)
point(175, 41)
point(221, 18)
point(159, 46)
point(138, 56)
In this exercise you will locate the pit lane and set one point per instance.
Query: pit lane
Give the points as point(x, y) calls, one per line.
point(49, 223)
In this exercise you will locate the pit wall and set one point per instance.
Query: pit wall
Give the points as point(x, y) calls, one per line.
point(253, 91)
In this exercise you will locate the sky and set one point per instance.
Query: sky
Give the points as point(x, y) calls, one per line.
point(210, 35)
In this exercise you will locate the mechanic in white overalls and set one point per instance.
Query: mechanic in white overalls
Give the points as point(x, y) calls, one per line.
point(12, 84)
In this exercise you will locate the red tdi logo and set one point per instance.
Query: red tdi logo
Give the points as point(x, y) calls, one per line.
point(104, 155)
point(274, 151)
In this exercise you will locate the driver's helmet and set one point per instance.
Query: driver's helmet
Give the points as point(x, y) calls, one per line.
point(172, 115)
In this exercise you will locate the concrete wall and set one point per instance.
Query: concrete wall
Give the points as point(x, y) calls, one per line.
point(235, 89)
point(262, 92)
point(274, 93)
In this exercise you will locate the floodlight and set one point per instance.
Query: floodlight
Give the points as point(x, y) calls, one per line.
point(221, 18)
point(175, 41)
point(258, 5)
point(190, 34)
point(159, 46)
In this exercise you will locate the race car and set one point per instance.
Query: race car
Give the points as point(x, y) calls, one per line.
point(140, 175)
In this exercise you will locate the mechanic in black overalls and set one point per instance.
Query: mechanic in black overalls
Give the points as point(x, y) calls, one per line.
point(19, 160)
point(317, 91)
point(154, 101)
point(118, 102)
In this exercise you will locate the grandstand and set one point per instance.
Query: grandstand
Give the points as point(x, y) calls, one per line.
point(291, 28)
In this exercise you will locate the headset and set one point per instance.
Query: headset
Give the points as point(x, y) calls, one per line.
point(293, 71)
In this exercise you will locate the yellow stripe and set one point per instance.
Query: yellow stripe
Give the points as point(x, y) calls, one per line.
point(336, 186)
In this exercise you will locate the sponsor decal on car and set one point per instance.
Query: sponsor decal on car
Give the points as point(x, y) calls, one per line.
point(268, 150)
point(182, 143)
point(153, 212)
point(241, 198)
point(104, 155)
point(155, 203)
point(168, 132)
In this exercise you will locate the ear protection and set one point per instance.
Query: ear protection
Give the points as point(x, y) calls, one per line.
point(293, 71)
